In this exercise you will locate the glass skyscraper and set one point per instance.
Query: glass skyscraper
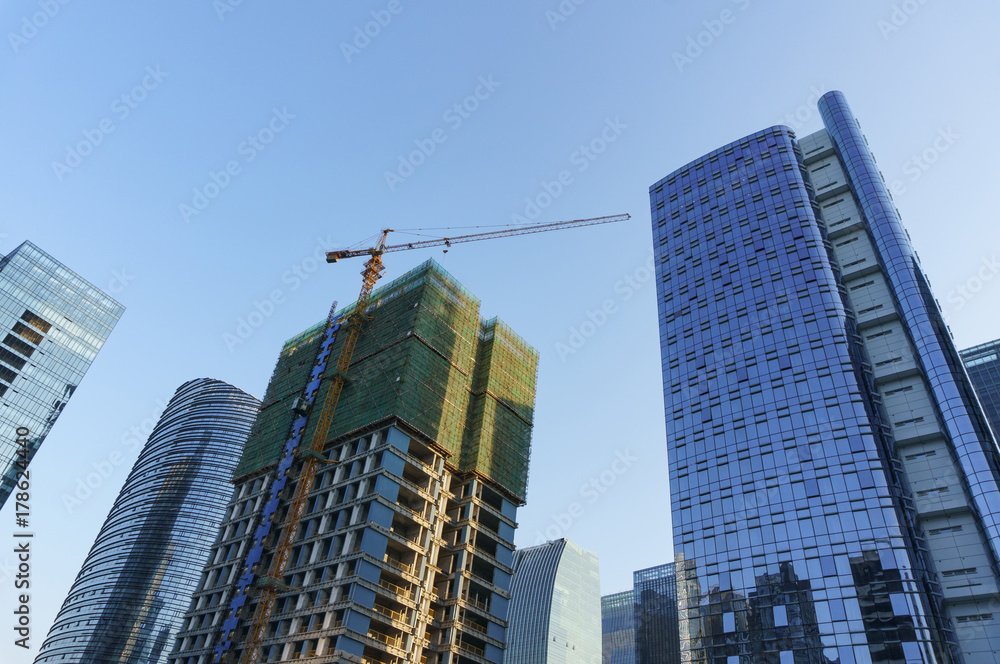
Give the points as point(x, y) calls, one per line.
point(555, 606)
point(640, 626)
point(129, 598)
point(53, 324)
point(656, 630)
point(618, 628)
point(983, 364)
point(834, 484)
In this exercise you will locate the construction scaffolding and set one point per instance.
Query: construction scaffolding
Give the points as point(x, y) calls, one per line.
point(426, 357)
point(291, 373)
point(502, 409)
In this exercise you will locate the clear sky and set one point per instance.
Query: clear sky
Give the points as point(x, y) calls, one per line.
point(120, 120)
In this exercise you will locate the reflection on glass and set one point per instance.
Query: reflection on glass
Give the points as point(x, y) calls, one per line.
point(52, 324)
point(555, 604)
point(783, 467)
point(656, 629)
point(129, 599)
point(618, 628)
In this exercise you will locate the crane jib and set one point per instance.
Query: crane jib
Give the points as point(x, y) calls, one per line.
point(334, 256)
point(271, 584)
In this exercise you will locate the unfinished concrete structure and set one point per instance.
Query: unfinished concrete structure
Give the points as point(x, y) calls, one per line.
point(405, 548)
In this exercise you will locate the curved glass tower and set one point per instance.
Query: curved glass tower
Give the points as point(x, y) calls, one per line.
point(963, 421)
point(555, 606)
point(834, 483)
point(136, 583)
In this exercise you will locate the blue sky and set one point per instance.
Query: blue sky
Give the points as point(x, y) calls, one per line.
point(117, 115)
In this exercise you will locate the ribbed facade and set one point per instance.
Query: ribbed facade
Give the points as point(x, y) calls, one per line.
point(983, 364)
point(618, 628)
point(52, 325)
point(126, 604)
point(555, 610)
point(833, 482)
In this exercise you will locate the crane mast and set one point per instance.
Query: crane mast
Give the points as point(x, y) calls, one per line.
point(272, 584)
point(273, 581)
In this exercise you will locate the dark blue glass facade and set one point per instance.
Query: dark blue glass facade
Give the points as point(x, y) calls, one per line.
point(656, 630)
point(983, 364)
point(793, 530)
point(618, 628)
point(128, 601)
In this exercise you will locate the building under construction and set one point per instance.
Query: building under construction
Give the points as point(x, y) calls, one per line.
point(405, 546)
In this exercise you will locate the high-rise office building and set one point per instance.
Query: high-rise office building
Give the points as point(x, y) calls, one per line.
point(983, 364)
point(555, 606)
point(128, 600)
point(640, 626)
point(405, 549)
point(835, 486)
point(618, 628)
point(53, 323)
point(656, 632)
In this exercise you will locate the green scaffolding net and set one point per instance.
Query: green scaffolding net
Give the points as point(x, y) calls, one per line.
point(426, 357)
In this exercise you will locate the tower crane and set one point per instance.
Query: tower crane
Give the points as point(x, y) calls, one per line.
point(272, 584)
